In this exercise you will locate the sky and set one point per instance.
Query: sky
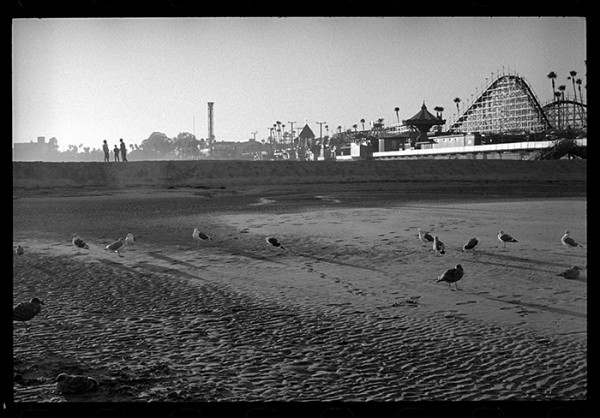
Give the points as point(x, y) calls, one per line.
point(86, 80)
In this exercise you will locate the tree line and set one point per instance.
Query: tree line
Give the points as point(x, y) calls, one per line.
point(157, 146)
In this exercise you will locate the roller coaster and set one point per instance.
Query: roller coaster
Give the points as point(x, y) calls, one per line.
point(507, 104)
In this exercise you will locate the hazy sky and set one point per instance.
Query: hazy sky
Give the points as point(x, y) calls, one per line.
point(85, 80)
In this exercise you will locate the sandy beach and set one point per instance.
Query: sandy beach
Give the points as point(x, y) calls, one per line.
point(350, 311)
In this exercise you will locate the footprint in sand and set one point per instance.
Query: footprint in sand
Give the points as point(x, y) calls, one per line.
point(524, 312)
point(328, 199)
point(262, 201)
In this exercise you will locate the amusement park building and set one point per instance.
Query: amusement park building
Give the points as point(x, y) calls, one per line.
point(506, 111)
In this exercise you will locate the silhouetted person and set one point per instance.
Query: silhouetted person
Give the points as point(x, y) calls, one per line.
point(116, 151)
point(123, 150)
point(106, 152)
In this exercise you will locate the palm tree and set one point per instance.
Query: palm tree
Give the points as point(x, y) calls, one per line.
point(397, 109)
point(557, 99)
point(439, 110)
point(560, 95)
point(578, 82)
point(552, 76)
point(355, 126)
point(457, 101)
point(362, 121)
point(562, 89)
point(572, 78)
point(339, 129)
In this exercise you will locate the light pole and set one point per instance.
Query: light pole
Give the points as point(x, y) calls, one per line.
point(321, 135)
point(292, 131)
point(253, 134)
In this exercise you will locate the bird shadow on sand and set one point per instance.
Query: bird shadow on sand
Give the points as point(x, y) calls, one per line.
point(582, 279)
point(511, 258)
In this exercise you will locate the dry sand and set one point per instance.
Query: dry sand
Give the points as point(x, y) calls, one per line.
point(350, 311)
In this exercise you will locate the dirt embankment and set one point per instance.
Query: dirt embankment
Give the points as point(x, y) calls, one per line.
point(168, 174)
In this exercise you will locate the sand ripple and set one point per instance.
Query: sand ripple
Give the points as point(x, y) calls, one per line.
point(150, 335)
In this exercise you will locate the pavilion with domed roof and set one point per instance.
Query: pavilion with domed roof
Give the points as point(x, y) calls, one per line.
point(412, 132)
point(423, 121)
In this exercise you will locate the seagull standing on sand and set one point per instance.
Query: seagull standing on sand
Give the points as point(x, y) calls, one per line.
point(19, 250)
point(116, 246)
point(569, 242)
point(25, 311)
point(471, 244)
point(572, 273)
point(424, 236)
point(438, 246)
point(79, 243)
point(130, 239)
point(452, 276)
point(274, 242)
point(504, 238)
point(67, 383)
point(198, 236)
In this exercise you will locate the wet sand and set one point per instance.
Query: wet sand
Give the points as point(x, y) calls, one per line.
point(349, 312)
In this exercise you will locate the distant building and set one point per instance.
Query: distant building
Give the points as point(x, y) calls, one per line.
point(306, 137)
point(451, 140)
point(31, 151)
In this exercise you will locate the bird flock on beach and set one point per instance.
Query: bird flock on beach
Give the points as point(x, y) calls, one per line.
point(25, 311)
point(69, 384)
point(453, 275)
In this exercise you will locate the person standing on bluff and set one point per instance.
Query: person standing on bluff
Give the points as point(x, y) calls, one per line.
point(116, 151)
point(123, 150)
point(106, 151)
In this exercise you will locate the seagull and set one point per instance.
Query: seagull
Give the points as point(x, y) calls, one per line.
point(79, 243)
point(452, 276)
point(438, 246)
point(471, 244)
point(19, 250)
point(200, 236)
point(25, 311)
point(274, 242)
point(572, 273)
point(504, 238)
point(130, 239)
point(567, 241)
point(67, 383)
point(425, 236)
point(116, 246)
